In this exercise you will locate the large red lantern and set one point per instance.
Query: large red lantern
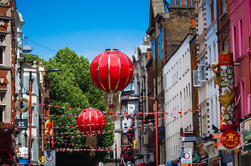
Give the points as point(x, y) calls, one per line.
point(91, 121)
point(111, 70)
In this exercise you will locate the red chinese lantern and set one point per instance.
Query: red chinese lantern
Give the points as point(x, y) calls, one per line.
point(91, 121)
point(111, 70)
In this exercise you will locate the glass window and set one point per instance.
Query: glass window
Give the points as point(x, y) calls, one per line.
point(1, 55)
point(225, 45)
point(212, 10)
point(1, 114)
point(224, 7)
point(235, 43)
point(241, 37)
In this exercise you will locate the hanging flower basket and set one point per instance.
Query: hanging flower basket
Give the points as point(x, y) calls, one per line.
point(6, 128)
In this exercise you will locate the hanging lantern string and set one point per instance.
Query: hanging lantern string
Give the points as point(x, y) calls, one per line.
point(118, 113)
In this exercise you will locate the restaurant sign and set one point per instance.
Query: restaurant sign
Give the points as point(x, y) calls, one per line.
point(230, 139)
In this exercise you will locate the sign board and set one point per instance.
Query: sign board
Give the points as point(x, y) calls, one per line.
point(186, 164)
point(22, 124)
point(23, 161)
point(23, 152)
point(187, 155)
point(230, 139)
point(50, 158)
point(189, 139)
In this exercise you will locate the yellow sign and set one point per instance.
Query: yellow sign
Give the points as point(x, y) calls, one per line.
point(42, 159)
point(186, 164)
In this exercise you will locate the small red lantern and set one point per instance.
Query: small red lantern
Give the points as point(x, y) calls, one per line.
point(91, 121)
point(111, 70)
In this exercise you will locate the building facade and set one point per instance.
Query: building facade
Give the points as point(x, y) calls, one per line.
point(8, 57)
point(240, 33)
point(178, 100)
point(168, 26)
point(142, 128)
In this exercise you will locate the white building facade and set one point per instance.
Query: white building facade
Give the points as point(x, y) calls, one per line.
point(178, 99)
point(212, 54)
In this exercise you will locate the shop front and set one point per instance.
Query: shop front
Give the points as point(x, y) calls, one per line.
point(245, 155)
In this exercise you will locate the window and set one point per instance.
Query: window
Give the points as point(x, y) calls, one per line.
point(224, 7)
point(225, 45)
point(235, 43)
point(165, 83)
point(1, 114)
point(2, 96)
point(217, 113)
point(209, 52)
point(1, 55)
point(212, 10)
point(214, 48)
point(189, 89)
point(243, 98)
point(241, 38)
point(2, 37)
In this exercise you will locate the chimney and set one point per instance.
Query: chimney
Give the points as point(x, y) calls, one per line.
point(183, 2)
point(178, 2)
point(172, 2)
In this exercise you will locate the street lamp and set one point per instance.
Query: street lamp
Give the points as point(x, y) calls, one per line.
point(156, 124)
point(30, 107)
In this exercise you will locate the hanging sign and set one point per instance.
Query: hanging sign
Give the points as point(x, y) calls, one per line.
point(22, 124)
point(230, 139)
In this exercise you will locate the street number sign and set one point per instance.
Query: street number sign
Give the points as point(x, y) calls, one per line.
point(22, 124)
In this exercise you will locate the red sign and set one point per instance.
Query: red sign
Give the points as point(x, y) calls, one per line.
point(230, 139)
point(225, 59)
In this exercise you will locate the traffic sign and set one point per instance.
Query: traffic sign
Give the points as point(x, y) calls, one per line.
point(186, 155)
point(50, 158)
point(22, 124)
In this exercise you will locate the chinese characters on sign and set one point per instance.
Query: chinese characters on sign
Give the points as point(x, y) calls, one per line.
point(230, 139)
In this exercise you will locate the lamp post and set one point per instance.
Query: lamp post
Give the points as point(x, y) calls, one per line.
point(30, 108)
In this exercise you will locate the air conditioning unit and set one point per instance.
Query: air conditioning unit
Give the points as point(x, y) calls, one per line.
point(202, 75)
point(196, 81)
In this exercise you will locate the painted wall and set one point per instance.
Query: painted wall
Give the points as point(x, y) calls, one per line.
point(240, 27)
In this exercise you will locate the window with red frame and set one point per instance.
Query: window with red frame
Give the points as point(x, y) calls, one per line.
point(212, 10)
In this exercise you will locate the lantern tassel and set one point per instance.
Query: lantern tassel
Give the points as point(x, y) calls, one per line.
point(91, 142)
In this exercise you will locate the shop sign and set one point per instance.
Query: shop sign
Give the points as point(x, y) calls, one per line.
point(245, 128)
point(189, 139)
point(22, 124)
point(23, 152)
point(230, 139)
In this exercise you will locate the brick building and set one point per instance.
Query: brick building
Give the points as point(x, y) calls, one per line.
point(8, 59)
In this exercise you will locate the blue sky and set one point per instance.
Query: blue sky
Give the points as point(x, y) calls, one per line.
point(86, 26)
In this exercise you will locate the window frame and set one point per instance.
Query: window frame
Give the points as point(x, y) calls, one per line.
point(2, 52)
